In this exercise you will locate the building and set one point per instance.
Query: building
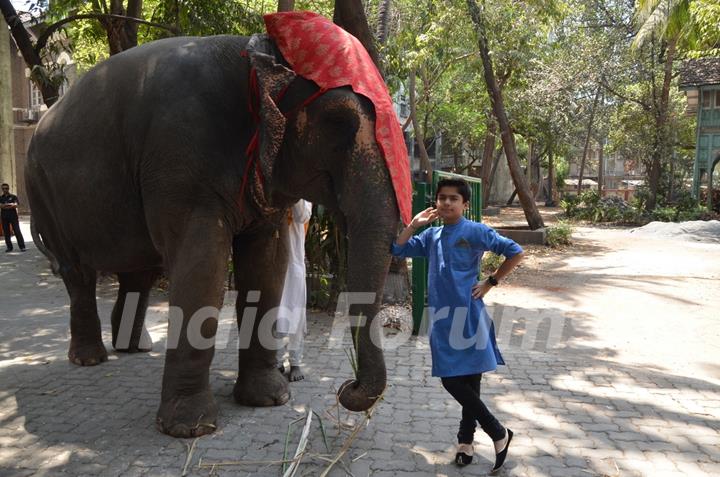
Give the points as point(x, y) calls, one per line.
point(28, 107)
point(700, 79)
point(620, 176)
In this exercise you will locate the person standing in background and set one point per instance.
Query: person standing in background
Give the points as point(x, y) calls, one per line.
point(291, 314)
point(8, 204)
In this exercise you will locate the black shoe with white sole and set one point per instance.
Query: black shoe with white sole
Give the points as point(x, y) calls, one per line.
point(502, 455)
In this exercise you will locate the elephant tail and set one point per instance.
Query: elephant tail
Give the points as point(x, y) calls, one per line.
point(54, 264)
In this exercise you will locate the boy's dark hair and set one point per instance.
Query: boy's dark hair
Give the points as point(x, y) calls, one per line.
point(4, 184)
point(461, 185)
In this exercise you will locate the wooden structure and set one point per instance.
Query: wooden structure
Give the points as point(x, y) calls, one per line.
point(700, 79)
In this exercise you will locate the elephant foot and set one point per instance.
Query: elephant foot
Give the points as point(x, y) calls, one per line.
point(261, 388)
point(87, 354)
point(188, 416)
point(354, 398)
point(141, 345)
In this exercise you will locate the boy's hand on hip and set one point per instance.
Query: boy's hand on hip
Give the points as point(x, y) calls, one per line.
point(480, 289)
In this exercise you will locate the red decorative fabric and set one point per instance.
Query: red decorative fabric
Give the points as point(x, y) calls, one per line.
point(322, 52)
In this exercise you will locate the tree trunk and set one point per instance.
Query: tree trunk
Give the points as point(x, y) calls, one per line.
point(671, 182)
point(550, 202)
point(350, 15)
point(528, 170)
point(383, 20)
point(487, 159)
point(7, 149)
point(532, 214)
point(286, 5)
point(587, 138)
point(661, 126)
point(538, 175)
point(129, 31)
point(425, 164)
point(50, 92)
point(495, 162)
point(122, 34)
point(601, 166)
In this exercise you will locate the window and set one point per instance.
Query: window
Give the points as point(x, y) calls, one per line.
point(36, 99)
point(711, 99)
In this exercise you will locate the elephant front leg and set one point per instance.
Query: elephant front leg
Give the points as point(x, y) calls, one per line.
point(260, 264)
point(197, 270)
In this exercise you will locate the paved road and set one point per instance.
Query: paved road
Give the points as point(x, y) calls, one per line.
point(594, 384)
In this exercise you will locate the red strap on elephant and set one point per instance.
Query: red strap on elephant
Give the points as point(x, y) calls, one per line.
point(322, 52)
point(253, 144)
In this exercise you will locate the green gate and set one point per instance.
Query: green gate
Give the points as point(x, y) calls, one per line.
point(424, 197)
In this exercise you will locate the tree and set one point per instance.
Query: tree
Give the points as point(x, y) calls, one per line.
point(532, 214)
point(286, 5)
point(47, 83)
point(350, 15)
point(664, 25)
point(588, 137)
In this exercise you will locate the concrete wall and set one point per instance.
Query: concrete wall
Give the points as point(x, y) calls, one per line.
point(23, 134)
point(7, 149)
point(502, 185)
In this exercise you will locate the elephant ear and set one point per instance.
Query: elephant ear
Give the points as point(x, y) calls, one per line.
point(272, 80)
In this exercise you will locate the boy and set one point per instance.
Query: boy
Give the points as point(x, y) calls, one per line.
point(462, 335)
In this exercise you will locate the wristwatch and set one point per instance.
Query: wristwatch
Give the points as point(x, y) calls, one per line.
point(492, 280)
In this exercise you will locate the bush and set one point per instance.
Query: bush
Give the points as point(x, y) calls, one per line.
point(698, 212)
point(665, 214)
point(590, 198)
point(569, 204)
point(558, 235)
point(631, 216)
point(589, 206)
point(491, 262)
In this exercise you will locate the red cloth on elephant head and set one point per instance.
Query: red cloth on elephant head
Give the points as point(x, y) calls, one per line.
point(322, 52)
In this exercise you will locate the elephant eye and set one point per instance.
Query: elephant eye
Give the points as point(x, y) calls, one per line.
point(340, 128)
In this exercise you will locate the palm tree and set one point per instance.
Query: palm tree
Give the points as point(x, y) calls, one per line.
point(666, 19)
point(670, 23)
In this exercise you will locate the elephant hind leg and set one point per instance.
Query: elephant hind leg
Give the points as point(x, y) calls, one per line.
point(86, 345)
point(128, 315)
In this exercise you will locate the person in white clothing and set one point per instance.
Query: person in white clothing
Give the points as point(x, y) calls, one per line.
point(291, 320)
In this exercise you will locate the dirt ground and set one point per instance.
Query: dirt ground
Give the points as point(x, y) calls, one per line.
point(631, 299)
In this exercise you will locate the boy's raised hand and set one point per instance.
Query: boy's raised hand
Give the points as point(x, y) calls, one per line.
point(425, 217)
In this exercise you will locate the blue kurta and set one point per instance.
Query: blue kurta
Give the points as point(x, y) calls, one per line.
point(462, 334)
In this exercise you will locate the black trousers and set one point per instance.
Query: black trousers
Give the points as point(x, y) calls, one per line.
point(6, 222)
point(466, 391)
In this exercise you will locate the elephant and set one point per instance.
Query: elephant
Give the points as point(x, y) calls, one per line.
point(145, 165)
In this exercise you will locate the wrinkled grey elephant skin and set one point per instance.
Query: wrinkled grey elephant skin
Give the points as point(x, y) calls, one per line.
point(141, 167)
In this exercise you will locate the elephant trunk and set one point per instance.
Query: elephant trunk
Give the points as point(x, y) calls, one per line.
point(372, 220)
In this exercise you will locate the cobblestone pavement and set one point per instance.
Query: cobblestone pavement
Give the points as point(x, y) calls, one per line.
point(575, 410)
